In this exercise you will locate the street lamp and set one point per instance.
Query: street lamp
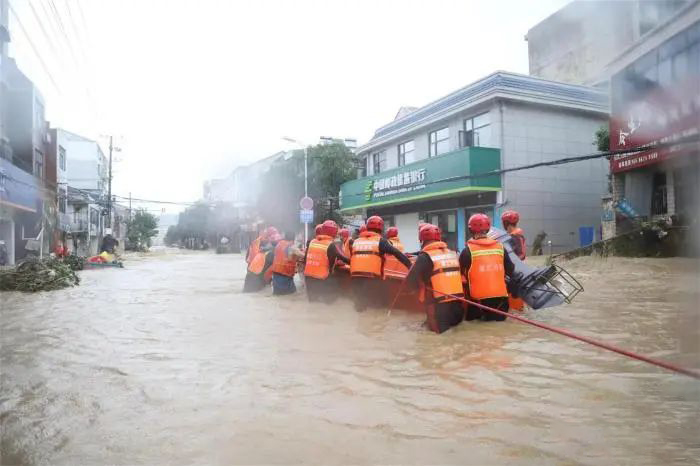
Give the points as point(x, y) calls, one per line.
point(306, 179)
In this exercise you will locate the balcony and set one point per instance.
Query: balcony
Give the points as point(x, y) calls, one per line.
point(79, 226)
point(425, 179)
point(18, 189)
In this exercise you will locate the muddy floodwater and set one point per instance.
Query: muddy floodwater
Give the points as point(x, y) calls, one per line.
point(166, 362)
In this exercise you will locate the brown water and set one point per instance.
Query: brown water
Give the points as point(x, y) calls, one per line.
point(165, 362)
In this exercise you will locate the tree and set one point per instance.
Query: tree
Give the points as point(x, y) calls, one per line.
point(602, 138)
point(329, 166)
point(172, 236)
point(140, 229)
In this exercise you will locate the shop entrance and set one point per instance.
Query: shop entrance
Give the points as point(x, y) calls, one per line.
point(446, 220)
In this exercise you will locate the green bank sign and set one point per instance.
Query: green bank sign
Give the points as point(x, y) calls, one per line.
point(425, 179)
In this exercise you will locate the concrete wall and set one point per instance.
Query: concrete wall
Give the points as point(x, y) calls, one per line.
point(574, 44)
point(556, 199)
point(86, 165)
point(408, 230)
point(421, 138)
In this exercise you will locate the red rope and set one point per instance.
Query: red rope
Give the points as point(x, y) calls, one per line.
point(590, 341)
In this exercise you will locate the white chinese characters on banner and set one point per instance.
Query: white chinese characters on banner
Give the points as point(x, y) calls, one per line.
point(409, 180)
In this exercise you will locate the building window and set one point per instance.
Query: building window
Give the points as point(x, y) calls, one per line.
point(405, 153)
point(38, 164)
point(62, 203)
point(378, 162)
point(658, 194)
point(61, 157)
point(477, 131)
point(439, 141)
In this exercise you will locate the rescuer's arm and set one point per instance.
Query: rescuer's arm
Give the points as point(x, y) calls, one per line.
point(334, 254)
point(385, 247)
point(518, 244)
point(420, 272)
point(465, 261)
point(295, 252)
point(507, 265)
point(269, 257)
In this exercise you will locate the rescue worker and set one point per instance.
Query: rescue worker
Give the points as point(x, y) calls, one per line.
point(259, 242)
point(259, 273)
point(485, 266)
point(393, 269)
point(317, 231)
point(284, 264)
point(366, 264)
point(437, 268)
point(343, 244)
point(321, 256)
point(510, 219)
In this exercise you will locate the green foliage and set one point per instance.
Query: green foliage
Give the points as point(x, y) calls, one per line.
point(329, 166)
point(203, 222)
point(602, 138)
point(140, 229)
point(34, 274)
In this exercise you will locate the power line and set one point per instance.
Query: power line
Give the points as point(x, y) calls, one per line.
point(56, 16)
point(36, 51)
point(580, 158)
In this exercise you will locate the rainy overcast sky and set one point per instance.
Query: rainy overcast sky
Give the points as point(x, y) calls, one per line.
point(194, 88)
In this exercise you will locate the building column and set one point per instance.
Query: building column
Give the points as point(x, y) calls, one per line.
point(670, 193)
point(461, 228)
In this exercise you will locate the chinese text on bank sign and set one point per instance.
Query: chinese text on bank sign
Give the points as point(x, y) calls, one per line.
point(410, 180)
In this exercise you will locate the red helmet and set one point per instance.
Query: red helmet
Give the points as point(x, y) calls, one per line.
point(479, 223)
point(392, 232)
point(275, 237)
point(421, 224)
point(510, 217)
point(375, 222)
point(329, 228)
point(429, 232)
point(362, 228)
point(319, 228)
point(344, 233)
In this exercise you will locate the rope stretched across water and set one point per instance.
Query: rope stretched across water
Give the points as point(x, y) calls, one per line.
point(590, 341)
point(600, 344)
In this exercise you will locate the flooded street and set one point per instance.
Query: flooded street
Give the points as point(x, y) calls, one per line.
point(166, 362)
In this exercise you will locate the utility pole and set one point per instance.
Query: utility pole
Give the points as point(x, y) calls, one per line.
point(129, 206)
point(109, 187)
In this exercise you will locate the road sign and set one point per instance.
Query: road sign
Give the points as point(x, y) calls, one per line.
point(306, 203)
point(306, 215)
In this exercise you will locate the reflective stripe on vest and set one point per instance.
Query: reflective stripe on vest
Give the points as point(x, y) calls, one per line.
point(257, 265)
point(366, 260)
point(317, 265)
point(281, 263)
point(445, 278)
point(486, 275)
point(392, 267)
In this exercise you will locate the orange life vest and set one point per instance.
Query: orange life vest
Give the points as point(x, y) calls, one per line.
point(392, 267)
point(486, 275)
point(317, 265)
point(281, 263)
point(519, 235)
point(366, 260)
point(254, 249)
point(340, 265)
point(445, 278)
point(257, 264)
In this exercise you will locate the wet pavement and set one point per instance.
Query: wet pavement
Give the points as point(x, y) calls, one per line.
point(166, 362)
